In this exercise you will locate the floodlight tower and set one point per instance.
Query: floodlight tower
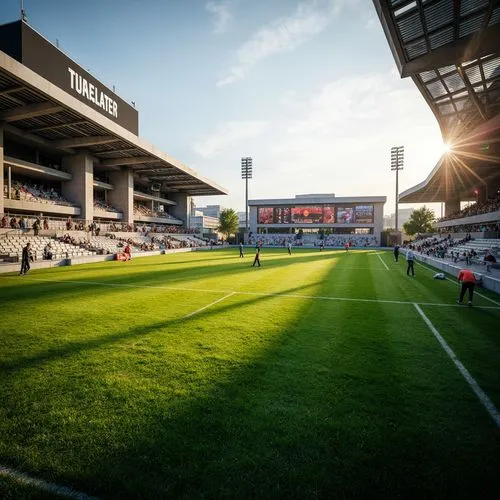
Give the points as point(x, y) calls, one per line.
point(397, 161)
point(246, 173)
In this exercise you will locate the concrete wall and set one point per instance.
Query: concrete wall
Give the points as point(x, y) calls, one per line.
point(488, 282)
point(45, 208)
point(80, 189)
point(182, 209)
point(122, 196)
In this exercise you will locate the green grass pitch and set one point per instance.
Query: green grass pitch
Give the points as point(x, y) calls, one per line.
point(119, 381)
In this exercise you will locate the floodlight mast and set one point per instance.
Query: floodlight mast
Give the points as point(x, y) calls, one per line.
point(397, 161)
point(246, 173)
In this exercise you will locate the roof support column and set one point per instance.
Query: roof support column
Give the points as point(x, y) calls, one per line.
point(80, 189)
point(1, 171)
point(122, 196)
point(182, 208)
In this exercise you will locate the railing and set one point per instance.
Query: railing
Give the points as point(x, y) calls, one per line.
point(70, 224)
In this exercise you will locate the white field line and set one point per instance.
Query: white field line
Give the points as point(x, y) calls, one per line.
point(451, 282)
point(209, 305)
point(258, 294)
point(57, 489)
point(381, 260)
point(483, 397)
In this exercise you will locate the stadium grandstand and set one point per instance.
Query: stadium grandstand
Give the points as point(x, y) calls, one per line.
point(451, 51)
point(71, 158)
point(315, 219)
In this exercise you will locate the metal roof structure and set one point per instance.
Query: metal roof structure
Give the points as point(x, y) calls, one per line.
point(451, 50)
point(34, 113)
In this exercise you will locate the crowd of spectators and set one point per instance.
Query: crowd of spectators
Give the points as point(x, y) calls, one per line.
point(104, 205)
point(24, 223)
point(143, 211)
point(333, 240)
point(434, 246)
point(481, 207)
point(472, 228)
point(38, 193)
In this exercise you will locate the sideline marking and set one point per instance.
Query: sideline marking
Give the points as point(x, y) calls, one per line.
point(483, 397)
point(259, 294)
point(452, 282)
point(385, 265)
point(57, 489)
point(209, 305)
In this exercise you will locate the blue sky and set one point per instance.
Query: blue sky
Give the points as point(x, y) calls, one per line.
point(308, 88)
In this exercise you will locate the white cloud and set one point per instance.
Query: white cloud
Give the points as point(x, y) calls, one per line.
point(282, 35)
point(221, 15)
point(228, 135)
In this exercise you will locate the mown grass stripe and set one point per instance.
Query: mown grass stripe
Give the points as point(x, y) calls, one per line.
point(259, 294)
point(483, 397)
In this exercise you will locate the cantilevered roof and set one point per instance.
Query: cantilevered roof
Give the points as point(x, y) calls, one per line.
point(451, 50)
point(44, 115)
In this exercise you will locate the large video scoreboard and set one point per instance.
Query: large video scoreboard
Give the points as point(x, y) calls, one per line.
point(316, 214)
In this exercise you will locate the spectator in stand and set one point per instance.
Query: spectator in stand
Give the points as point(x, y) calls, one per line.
point(127, 252)
point(468, 281)
point(489, 259)
point(25, 259)
point(36, 226)
point(69, 224)
point(47, 252)
point(45, 223)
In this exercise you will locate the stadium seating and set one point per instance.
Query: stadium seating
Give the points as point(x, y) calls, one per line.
point(31, 192)
point(11, 247)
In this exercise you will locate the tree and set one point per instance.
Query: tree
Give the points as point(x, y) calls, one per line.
point(420, 221)
point(228, 222)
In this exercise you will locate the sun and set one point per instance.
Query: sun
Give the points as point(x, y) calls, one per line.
point(446, 148)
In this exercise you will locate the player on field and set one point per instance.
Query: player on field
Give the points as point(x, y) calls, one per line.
point(257, 256)
point(396, 252)
point(468, 281)
point(410, 259)
point(241, 250)
point(289, 246)
point(25, 259)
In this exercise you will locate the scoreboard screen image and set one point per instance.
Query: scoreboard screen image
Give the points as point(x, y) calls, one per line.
point(329, 214)
point(364, 214)
point(345, 215)
point(308, 215)
point(265, 215)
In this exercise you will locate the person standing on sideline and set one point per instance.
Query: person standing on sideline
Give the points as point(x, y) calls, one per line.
point(410, 258)
point(468, 281)
point(25, 259)
point(289, 248)
point(241, 250)
point(396, 252)
point(257, 256)
point(346, 246)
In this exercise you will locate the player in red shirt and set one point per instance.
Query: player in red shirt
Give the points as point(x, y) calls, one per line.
point(468, 281)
